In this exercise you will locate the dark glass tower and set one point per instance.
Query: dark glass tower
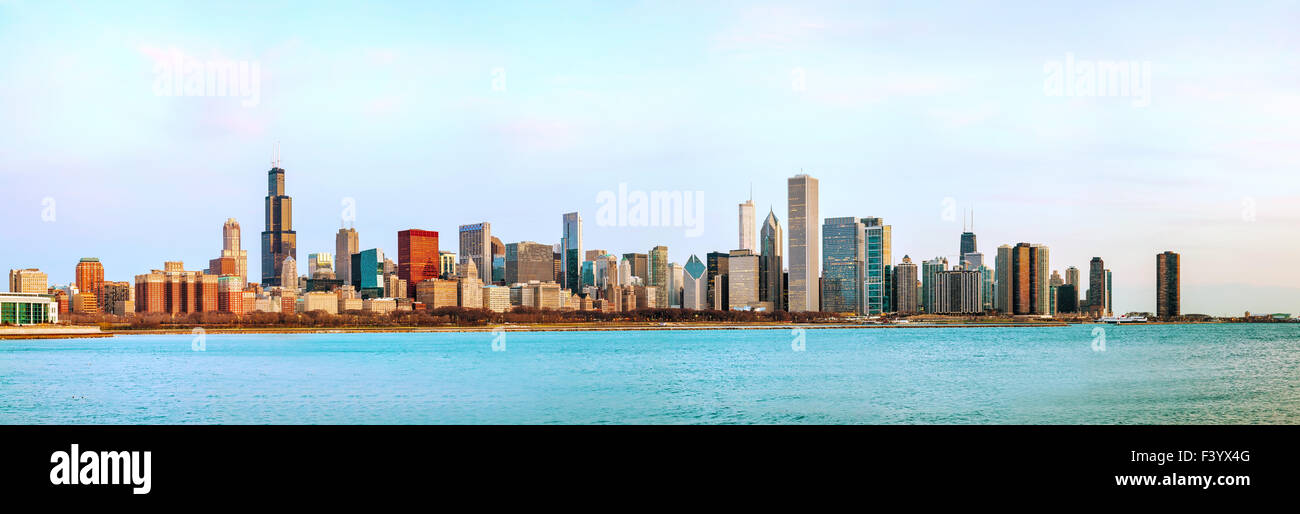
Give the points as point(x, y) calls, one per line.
point(967, 245)
point(279, 241)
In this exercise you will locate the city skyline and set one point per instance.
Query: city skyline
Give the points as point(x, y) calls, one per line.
point(123, 165)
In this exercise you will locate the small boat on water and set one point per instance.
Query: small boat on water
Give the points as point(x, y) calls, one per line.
point(1122, 319)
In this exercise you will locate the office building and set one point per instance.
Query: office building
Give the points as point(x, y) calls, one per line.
point(368, 273)
point(447, 264)
point(346, 244)
point(320, 265)
point(659, 275)
point(1097, 288)
point(640, 263)
point(418, 258)
point(770, 264)
point(527, 261)
point(877, 241)
point(805, 244)
point(747, 241)
point(742, 281)
point(279, 241)
point(843, 265)
point(571, 252)
point(716, 274)
point(30, 280)
point(694, 284)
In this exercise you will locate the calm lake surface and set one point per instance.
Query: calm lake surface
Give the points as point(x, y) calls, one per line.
point(1156, 374)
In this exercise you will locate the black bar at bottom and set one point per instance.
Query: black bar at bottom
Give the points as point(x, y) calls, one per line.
point(324, 462)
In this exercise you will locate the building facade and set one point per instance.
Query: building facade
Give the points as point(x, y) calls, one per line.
point(418, 258)
point(805, 244)
point(279, 241)
point(1168, 284)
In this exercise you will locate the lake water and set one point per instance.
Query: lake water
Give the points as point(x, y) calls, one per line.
point(1155, 374)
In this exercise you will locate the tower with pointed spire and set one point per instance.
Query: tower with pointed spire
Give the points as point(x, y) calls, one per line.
point(771, 272)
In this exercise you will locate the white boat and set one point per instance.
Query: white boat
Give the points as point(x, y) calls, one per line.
point(1122, 319)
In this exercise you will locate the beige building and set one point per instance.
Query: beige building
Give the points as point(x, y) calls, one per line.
point(380, 305)
point(496, 298)
point(805, 244)
point(742, 280)
point(438, 293)
point(320, 301)
point(29, 280)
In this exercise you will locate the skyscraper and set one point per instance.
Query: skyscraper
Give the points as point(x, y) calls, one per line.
point(320, 265)
point(905, 287)
point(742, 280)
point(877, 238)
point(747, 226)
point(90, 277)
point(843, 265)
point(1022, 284)
point(805, 244)
point(639, 263)
point(278, 240)
point(930, 293)
point(1097, 287)
point(571, 252)
point(1168, 284)
point(968, 243)
point(694, 284)
point(231, 248)
point(527, 261)
point(418, 258)
point(368, 273)
point(346, 243)
point(770, 265)
point(659, 275)
point(716, 280)
point(476, 244)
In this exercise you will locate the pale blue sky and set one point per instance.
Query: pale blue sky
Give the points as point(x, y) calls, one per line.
point(905, 104)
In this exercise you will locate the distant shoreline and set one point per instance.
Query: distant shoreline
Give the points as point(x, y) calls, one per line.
point(92, 331)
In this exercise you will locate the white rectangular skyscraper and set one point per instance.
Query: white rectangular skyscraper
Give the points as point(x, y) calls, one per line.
point(747, 241)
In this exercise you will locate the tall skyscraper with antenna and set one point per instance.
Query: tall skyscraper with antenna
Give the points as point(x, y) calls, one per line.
point(279, 241)
point(967, 236)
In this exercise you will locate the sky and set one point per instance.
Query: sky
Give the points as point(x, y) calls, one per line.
point(436, 114)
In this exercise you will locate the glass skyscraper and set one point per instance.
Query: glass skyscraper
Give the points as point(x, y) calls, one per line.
point(843, 265)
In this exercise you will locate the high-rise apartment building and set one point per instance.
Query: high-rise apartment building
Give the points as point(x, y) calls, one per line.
point(770, 264)
point(1097, 297)
point(905, 287)
point(805, 244)
point(930, 283)
point(90, 277)
point(1168, 284)
point(1022, 282)
point(279, 241)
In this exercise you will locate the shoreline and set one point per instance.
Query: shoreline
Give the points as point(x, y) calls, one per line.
point(92, 331)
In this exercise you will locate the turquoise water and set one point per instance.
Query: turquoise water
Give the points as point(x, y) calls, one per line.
point(1147, 374)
